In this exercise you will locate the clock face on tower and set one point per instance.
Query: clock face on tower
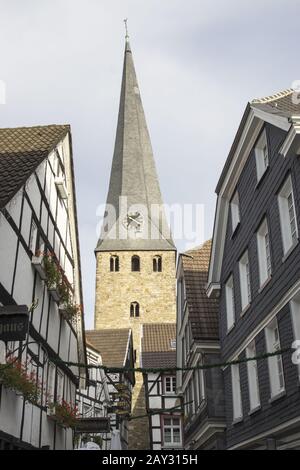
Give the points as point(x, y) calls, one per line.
point(133, 221)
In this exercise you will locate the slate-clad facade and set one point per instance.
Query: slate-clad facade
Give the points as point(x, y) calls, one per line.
point(262, 397)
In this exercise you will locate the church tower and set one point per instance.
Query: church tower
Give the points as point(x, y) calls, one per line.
point(135, 254)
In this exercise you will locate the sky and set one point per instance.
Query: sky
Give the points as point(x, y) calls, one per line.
point(198, 64)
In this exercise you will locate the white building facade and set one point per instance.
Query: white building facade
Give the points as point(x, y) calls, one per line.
point(40, 268)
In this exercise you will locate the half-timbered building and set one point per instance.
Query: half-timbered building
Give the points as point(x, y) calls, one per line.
point(255, 271)
point(93, 423)
point(116, 349)
point(198, 345)
point(39, 270)
point(163, 404)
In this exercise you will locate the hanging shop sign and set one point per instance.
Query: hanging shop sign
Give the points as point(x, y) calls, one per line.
point(13, 322)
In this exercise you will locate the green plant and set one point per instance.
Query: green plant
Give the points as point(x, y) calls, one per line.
point(64, 292)
point(71, 310)
point(15, 376)
point(52, 271)
point(65, 414)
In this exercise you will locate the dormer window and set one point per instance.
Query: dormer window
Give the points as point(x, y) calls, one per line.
point(261, 155)
point(235, 211)
point(157, 264)
point(114, 263)
point(134, 309)
point(135, 263)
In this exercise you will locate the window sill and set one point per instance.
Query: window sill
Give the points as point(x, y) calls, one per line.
point(230, 329)
point(236, 228)
point(255, 410)
point(237, 420)
point(290, 250)
point(262, 177)
point(277, 396)
point(264, 284)
point(245, 309)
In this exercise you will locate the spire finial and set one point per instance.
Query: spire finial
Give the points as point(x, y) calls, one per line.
point(126, 29)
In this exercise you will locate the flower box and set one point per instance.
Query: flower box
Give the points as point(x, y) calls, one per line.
point(64, 414)
point(68, 311)
point(53, 291)
point(38, 264)
point(61, 187)
point(51, 414)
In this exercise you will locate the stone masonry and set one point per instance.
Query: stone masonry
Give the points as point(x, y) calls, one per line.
point(155, 292)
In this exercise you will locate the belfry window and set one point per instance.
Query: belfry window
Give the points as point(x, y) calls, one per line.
point(157, 264)
point(114, 263)
point(135, 263)
point(134, 309)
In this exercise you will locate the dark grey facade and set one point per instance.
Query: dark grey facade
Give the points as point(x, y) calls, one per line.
point(275, 422)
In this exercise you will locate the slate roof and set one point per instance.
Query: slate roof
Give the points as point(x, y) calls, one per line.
point(22, 149)
point(203, 311)
point(156, 346)
point(283, 104)
point(133, 175)
point(111, 344)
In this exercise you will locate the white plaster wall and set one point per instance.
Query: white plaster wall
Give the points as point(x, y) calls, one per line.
point(11, 412)
point(155, 402)
point(14, 207)
point(26, 222)
point(8, 245)
point(23, 287)
point(156, 434)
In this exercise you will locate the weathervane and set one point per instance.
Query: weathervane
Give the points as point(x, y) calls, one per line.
point(126, 28)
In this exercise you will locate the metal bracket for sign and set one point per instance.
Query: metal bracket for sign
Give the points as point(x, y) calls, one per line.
point(14, 321)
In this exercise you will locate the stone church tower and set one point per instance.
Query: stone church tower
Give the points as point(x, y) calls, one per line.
point(136, 256)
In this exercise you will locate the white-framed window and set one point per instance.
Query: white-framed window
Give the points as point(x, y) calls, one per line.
point(33, 237)
point(295, 311)
point(235, 211)
point(170, 384)
point(261, 155)
point(264, 252)
point(236, 392)
point(244, 268)
point(253, 383)
point(173, 343)
point(171, 431)
point(199, 379)
point(274, 362)
point(288, 220)
point(230, 309)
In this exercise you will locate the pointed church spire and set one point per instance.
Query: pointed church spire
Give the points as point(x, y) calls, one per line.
point(139, 221)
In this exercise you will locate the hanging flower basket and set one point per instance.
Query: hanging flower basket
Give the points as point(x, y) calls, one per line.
point(55, 280)
point(64, 414)
point(14, 376)
point(69, 311)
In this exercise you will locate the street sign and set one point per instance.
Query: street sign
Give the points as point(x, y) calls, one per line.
point(13, 322)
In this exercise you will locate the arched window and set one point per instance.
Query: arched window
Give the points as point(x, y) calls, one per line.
point(135, 263)
point(134, 309)
point(114, 263)
point(157, 264)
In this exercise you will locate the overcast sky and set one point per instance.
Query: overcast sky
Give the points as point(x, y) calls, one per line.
point(198, 63)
